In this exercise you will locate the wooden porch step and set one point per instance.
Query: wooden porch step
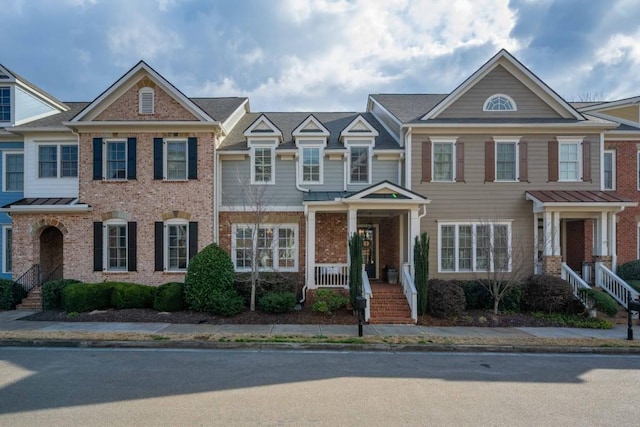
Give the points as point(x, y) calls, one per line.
point(389, 305)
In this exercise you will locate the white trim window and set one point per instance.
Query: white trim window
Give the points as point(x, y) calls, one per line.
point(609, 170)
point(115, 159)
point(359, 164)
point(7, 260)
point(146, 100)
point(13, 167)
point(176, 240)
point(175, 159)
point(115, 245)
point(471, 247)
point(569, 161)
point(499, 102)
point(311, 164)
point(443, 160)
point(506, 160)
point(5, 103)
point(263, 159)
point(57, 161)
point(275, 247)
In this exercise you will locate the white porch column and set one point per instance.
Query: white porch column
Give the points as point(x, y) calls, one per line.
point(603, 234)
point(612, 238)
point(310, 247)
point(548, 234)
point(352, 227)
point(414, 231)
point(556, 234)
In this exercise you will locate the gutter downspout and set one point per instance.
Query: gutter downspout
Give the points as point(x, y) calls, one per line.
point(306, 238)
point(407, 160)
point(298, 187)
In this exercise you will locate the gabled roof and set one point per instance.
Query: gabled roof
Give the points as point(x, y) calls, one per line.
point(311, 127)
point(359, 127)
point(519, 71)
point(288, 122)
point(11, 77)
point(261, 127)
point(625, 111)
point(407, 107)
point(382, 192)
point(220, 109)
point(130, 78)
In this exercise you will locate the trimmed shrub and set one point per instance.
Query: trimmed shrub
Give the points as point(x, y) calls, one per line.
point(52, 293)
point(267, 282)
point(476, 296)
point(131, 295)
point(81, 297)
point(209, 283)
point(169, 297)
point(277, 302)
point(328, 301)
point(10, 294)
point(602, 301)
point(548, 294)
point(629, 270)
point(512, 300)
point(634, 283)
point(445, 298)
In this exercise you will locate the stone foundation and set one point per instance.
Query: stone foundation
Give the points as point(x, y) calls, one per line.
point(552, 265)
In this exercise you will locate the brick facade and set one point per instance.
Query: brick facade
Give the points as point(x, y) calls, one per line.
point(552, 265)
point(627, 185)
point(331, 237)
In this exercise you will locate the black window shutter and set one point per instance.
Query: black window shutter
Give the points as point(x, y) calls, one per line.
point(97, 158)
point(97, 246)
point(132, 254)
point(193, 239)
point(131, 158)
point(159, 246)
point(157, 158)
point(193, 158)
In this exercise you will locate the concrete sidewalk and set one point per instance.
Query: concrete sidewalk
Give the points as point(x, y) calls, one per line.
point(10, 321)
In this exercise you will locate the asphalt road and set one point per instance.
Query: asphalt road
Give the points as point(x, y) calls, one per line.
point(95, 387)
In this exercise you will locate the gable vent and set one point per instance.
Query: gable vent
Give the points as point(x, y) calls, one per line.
point(146, 101)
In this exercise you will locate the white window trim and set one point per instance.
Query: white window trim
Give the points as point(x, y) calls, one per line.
point(4, 170)
point(12, 105)
point(165, 159)
point(638, 169)
point(451, 141)
point(58, 145)
point(105, 245)
point(143, 91)
point(320, 149)
point(274, 247)
point(165, 249)
point(105, 153)
point(613, 169)
point(456, 254)
point(4, 248)
point(370, 164)
point(578, 142)
point(496, 95)
point(516, 141)
point(272, 147)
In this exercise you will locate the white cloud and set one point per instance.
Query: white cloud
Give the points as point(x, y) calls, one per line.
point(140, 38)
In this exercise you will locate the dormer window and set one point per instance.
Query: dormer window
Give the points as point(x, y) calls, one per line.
point(5, 104)
point(499, 102)
point(146, 100)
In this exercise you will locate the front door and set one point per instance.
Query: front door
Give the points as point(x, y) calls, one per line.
point(368, 235)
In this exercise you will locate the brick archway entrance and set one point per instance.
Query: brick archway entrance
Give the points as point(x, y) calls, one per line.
point(51, 254)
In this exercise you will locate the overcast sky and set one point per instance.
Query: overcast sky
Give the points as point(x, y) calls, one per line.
point(324, 55)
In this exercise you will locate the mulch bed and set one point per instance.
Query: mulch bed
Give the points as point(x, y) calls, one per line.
point(302, 317)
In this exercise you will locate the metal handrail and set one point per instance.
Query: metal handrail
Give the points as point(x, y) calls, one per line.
point(30, 279)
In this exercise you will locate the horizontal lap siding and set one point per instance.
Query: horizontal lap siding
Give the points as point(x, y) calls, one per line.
point(475, 200)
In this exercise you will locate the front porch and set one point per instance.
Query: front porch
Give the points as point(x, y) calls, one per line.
point(387, 217)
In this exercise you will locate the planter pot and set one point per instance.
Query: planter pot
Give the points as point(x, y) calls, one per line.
point(392, 276)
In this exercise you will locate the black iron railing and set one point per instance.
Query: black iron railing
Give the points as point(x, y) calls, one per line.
point(30, 279)
point(54, 275)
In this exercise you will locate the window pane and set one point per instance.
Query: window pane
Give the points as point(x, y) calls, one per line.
point(8, 257)
point(117, 247)
point(263, 166)
point(311, 164)
point(177, 160)
point(69, 164)
point(447, 247)
point(359, 164)
point(286, 248)
point(464, 247)
point(14, 173)
point(506, 161)
point(499, 103)
point(177, 246)
point(608, 171)
point(48, 161)
point(244, 245)
point(483, 246)
point(569, 162)
point(443, 162)
point(265, 247)
point(5, 104)
point(501, 248)
point(116, 160)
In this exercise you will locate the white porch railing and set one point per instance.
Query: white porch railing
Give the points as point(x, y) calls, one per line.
point(367, 293)
point(332, 275)
point(576, 283)
point(410, 292)
point(614, 285)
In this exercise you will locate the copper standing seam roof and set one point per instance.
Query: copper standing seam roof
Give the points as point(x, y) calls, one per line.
point(42, 201)
point(578, 196)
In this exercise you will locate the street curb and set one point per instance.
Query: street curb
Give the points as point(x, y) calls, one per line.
point(349, 347)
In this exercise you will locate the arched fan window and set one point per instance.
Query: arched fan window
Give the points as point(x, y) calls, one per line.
point(499, 102)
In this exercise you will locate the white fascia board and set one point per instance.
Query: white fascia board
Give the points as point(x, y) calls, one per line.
point(52, 102)
point(22, 131)
point(299, 133)
point(584, 123)
point(612, 104)
point(48, 208)
point(613, 119)
point(244, 209)
point(38, 117)
point(394, 118)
